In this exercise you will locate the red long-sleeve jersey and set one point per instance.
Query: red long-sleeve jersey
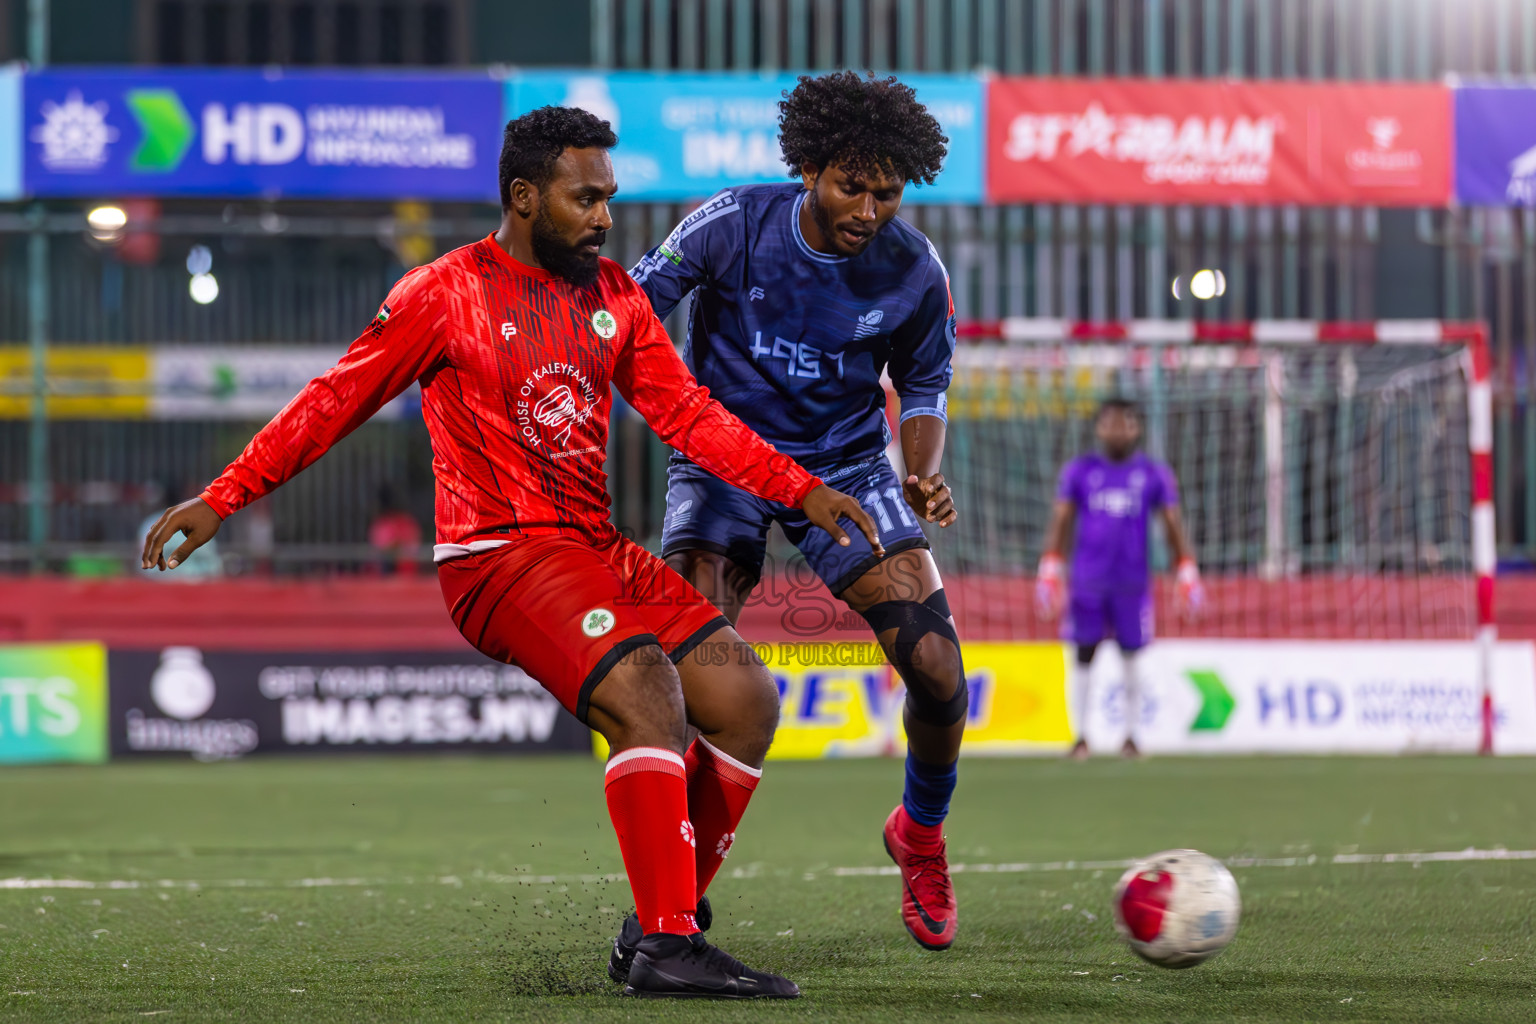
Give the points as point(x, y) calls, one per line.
point(515, 365)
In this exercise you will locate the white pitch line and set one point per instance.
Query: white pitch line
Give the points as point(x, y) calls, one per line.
point(458, 882)
point(1442, 856)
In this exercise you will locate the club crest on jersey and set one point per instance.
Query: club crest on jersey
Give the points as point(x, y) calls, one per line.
point(604, 324)
point(869, 324)
point(597, 622)
point(557, 397)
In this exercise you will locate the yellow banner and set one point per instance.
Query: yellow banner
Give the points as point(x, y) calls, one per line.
point(844, 700)
point(993, 393)
point(84, 382)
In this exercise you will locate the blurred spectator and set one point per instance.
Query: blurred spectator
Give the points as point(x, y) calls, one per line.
point(203, 564)
point(394, 533)
point(260, 535)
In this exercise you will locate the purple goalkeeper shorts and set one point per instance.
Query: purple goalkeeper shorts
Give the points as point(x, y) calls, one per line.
point(1092, 615)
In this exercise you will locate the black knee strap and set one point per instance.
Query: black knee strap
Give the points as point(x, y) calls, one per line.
point(912, 621)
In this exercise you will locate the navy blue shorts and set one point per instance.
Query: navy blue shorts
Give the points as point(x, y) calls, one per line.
point(1095, 616)
point(704, 513)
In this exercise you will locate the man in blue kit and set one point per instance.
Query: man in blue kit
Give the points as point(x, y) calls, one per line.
point(804, 293)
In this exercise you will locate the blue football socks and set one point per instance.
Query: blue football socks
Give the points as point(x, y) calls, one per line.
point(928, 790)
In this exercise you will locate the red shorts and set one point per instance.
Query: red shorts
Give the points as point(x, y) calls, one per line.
point(566, 612)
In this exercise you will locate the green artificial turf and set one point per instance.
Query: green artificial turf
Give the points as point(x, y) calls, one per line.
point(422, 916)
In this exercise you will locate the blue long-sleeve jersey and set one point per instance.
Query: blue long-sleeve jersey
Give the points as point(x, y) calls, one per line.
point(794, 341)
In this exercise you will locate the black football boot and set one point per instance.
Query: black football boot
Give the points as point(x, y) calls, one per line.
point(687, 967)
point(628, 940)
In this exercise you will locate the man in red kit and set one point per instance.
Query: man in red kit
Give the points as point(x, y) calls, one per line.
point(515, 340)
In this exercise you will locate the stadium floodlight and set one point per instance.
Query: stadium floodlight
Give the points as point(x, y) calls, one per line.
point(204, 288)
point(1203, 285)
point(106, 223)
point(199, 260)
point(1207, 284)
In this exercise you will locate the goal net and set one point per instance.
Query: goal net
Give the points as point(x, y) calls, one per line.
point(1327, 472)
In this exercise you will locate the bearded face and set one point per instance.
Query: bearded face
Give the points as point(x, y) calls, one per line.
point(573, 258)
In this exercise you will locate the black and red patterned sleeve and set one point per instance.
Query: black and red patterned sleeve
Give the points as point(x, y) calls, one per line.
point(654, 380)
point(403, 343)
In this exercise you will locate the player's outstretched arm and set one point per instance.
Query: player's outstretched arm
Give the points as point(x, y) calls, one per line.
point(402, 344)
point(193, 519)
point(1049, 596)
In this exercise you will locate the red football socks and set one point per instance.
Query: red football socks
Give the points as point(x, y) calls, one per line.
point(719, 788)
point(647, 793)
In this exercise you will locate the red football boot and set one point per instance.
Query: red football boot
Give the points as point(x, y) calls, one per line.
point(928, 896)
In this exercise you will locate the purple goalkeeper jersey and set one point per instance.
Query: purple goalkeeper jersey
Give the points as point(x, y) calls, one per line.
point(1114, 502)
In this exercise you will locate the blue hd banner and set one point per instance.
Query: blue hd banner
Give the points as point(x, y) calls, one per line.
point(686, 136)
point(253, 133)
point(1495, 145)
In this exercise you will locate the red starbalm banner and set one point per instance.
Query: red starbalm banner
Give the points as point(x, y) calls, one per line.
point(1140, 141)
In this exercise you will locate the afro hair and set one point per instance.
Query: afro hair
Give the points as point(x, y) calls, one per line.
point(866, 124)
point(532, 143)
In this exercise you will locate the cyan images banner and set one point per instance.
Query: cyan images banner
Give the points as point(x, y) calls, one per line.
point(250, 133)
point(53, 703)
point(10, 133)
point(686, 136)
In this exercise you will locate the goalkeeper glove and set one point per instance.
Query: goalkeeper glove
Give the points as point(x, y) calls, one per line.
point(1191, 592)
point(1048, 587)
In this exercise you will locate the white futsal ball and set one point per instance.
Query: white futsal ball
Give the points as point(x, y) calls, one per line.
point(1177, 908)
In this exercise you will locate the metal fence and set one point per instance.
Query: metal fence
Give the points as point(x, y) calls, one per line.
point(300, 273)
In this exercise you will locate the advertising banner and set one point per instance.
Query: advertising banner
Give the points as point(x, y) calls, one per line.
point(223, 704)
point(687, 136)
point(53, 703)
point(84, 382)
point(1311, 697)
point(10, 132)
point(1496, 145)
point(1141, 141)
point(127, 132)
point(844, 700)
point(245, 383)
point(173, 382)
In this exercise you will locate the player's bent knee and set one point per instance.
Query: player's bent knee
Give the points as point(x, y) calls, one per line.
point(936, 692)
point(732, 700)
point(640, 702)
point(760, 717)
point(755, 709)
point(926, 653)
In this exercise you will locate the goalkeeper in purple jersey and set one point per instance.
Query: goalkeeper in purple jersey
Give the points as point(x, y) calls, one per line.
point(1113, 493)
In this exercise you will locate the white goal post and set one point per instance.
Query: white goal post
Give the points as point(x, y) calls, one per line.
point(1312, 451)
